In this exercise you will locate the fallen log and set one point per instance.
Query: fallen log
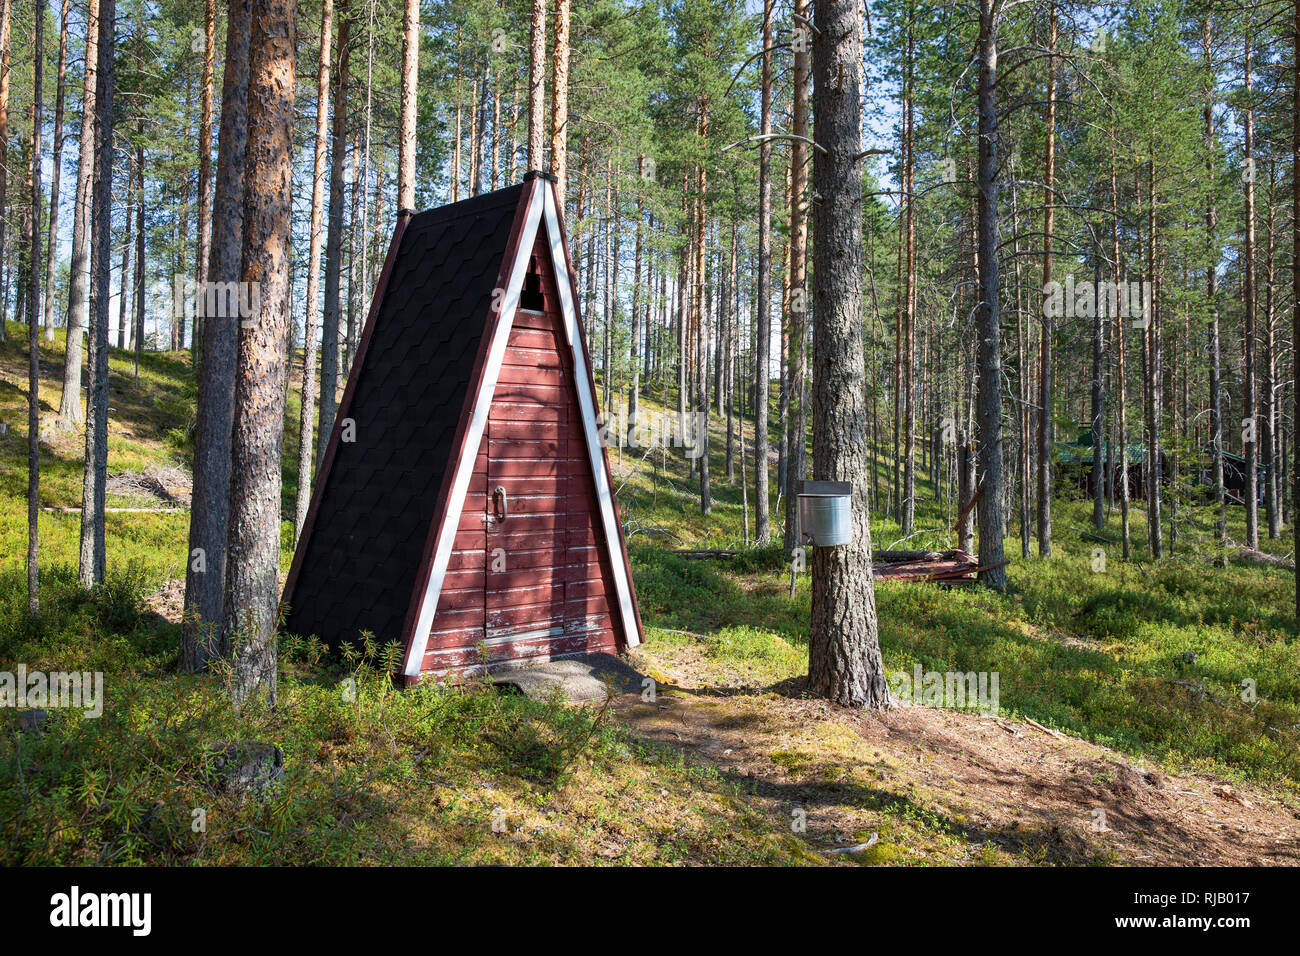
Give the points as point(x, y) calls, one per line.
point(898, 556)
point(1252, 556)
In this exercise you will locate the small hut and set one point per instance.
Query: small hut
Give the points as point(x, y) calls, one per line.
point(1073, 460)
point(465, 506)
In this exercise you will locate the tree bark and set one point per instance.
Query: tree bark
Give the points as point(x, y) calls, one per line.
point(965, 492)
point(123, 299)
point(988, 402)
point(1045, 349)
point(56, 175)
point(204, 243)
point(91, 563)
point(1155, 379)
point(560, 105)
point(306, 445)
point(1295, 276)
point(33, 336)
point(79, 276)
point(700, 309)
point(1248, 399)
point(1121, 372)
point(1212, 295)
point(634, 389)
point(410, 89)
point(536, 83)
point(763, 343)
point(6, 29)
point(1268, 387)
point(210, 506)
point(333, 307)
point(844, 662)
point(907, 299)
point(254, 535)
point(1098, 406)
point(796, 437)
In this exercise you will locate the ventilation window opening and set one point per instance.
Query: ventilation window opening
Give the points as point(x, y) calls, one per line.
point(531, 297)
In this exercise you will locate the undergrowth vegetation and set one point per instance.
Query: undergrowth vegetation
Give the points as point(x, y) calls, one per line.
point(1183, 662)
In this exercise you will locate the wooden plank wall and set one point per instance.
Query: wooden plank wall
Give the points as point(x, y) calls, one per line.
point(537, 584)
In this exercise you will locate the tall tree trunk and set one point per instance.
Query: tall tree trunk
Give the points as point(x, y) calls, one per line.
point(796, 437)
point(139, 192)
point(473, 146)
point(844, 662)
point(33, 336)
point(763, 334)
point(701, 313)
point(1212, 295)
point(79, 275)
point(6, 29)
point(988, 403)
point(91, 571)
point(203, 247)
point(536, 83)
point(332, 310)
point(1045, 349)
point(560, 106)
point(965, 492)
point(1248, 399)
point(129, 234)
point(23, 208)
point(1295, 299)
point(1121, 398)
point(456, 135)
point(210, 507)
point(409, 99)
point(906, 414)
point(731, 346)
point(633, 392)
point(56, 175)
point(306, 446)
point(496, 133)
point(254, 535)
point(1155, 375)
point(1268, 390)
point(356, 226)
point(1098, 402)
point(139, 236)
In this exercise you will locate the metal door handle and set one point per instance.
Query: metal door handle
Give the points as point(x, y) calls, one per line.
point(500, 503)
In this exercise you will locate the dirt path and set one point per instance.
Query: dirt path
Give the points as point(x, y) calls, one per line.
point(949, 787)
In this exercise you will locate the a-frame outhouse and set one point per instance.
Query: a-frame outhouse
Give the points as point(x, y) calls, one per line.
point(465, 506)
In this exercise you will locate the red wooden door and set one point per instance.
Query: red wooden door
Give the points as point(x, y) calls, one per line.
point(546, 568)
point(527, 556)
point(529, 575)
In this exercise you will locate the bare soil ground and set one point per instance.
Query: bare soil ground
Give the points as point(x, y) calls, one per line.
point(1008, 790)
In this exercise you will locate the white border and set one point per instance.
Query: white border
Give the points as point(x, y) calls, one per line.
point(478, 422)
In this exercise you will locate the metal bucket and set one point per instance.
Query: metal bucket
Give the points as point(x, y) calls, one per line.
point(825, 520)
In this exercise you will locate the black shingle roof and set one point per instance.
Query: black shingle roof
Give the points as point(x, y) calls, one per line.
point(367, 540)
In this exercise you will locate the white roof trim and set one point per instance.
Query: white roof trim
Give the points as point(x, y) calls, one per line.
point(478, 422)
point(587, 401)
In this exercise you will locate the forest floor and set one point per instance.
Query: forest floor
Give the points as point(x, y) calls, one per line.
point(944, 786)
point(1143, 748)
